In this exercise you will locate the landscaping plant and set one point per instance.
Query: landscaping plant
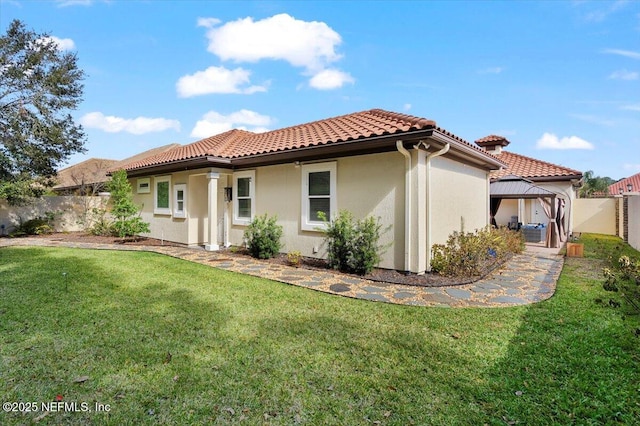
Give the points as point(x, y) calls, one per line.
point(470, 254)
point(263, 237)
point(353, 245)
point(127, 221)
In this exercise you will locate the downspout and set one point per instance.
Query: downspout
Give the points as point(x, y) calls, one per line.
point(407, 203)
point(443, 151)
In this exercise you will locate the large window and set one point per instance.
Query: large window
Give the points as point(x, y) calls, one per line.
point(162, 195)
point(244, 205)
point(318, 194)
point(180, 200)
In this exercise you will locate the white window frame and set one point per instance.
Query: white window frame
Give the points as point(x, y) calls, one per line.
point(156, 209)
point(142, 189)
point(251, 174)
point(305, 222)
point(176, 211)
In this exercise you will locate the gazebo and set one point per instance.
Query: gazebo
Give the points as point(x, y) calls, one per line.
point(516, 187)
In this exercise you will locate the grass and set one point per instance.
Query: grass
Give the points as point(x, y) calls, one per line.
point(165, 341)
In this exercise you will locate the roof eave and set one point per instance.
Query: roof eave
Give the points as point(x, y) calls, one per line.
point(461, 149)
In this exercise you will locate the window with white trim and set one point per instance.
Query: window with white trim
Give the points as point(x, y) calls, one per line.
point(180, 200)
point(162, 195)
point(318, 194)
point(244, 205)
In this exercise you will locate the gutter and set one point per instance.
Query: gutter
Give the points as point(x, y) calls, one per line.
point(430, 156)
point(407, 203)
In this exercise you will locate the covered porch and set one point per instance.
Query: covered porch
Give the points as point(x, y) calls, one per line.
point(517, 188)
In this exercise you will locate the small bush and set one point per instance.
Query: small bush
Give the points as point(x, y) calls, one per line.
point(353, 245)
point(40, 225)
point(471, 254)
point(294, 258)
point(102, 225)
point(128, 222)
point(263, 237)
point(624, 276)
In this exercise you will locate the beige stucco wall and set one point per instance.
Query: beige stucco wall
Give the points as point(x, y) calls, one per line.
point(633, 210)
point(370, 185)
point(72, 213)
point(460, 193)
point(595, 215)
point(507, 209)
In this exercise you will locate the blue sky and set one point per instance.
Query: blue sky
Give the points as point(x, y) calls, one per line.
point(561, 80)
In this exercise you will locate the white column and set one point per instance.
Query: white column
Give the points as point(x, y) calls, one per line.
point(213, 212)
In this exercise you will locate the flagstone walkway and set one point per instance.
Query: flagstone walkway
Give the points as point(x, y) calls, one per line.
point(526, 278)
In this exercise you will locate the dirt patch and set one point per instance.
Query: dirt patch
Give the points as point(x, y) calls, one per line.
point(79, 237)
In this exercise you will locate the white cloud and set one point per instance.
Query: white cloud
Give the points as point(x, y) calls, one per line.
point(213, 123)
point(216, 80)
point(406, 107)
point(632, 167)
point(626, 53)
point(136, 126)
point(208, 22)
point(593, 119)
point(281, 37)
point(492, 70)
point(61, 43)
point(330, 79)
point(624, 75)
point(65, 3)
point(551, 141)
point(635, 107)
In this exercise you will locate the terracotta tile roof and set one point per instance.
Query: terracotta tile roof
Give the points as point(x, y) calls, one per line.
point(622, 183)
point(345, 128)
point(493, 140)
point(528, 167)
point(149, 153)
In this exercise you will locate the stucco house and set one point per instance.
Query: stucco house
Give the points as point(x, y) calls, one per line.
point(422, 181)
point(560, 181)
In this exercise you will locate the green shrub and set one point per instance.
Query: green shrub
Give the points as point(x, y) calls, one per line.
point(102, 225)
point(624, 276)
point(468, 254)
point(38, 226)
point(353, 245)
point(128, 222)
point(263, 237)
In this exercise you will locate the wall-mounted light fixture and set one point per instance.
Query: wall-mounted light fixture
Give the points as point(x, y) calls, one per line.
point(228, 193)
point(629, 187)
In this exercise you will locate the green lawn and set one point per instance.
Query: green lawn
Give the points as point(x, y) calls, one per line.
point(252, 351)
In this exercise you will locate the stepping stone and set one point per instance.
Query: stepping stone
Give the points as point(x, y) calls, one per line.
point(340, 288)
point(438, 298)
point(488, 285)
point(458, 293)
point(351, 280)
point(375, 297)
point(311, 283)
point(403, 295)
point(507, 299)
point(372, 289)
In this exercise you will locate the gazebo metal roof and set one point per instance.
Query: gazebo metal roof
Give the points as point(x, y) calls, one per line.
point(516, 187)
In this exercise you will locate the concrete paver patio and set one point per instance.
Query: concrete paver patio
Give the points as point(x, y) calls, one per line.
point(526, 278)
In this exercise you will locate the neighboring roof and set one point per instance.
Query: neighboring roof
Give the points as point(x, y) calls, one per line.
point(533, 169)
point(88, 172)
point(355, 127)
point(149, 153)
point(492, 140)
point(634, 180)
point(516, 187)
point(95, 170)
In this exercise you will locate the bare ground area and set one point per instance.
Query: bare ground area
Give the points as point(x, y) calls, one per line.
point(378, 274)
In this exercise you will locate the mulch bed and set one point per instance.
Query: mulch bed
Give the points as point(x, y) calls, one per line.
point(378, 274)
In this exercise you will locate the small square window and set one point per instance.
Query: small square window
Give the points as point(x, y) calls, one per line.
point(180, 196)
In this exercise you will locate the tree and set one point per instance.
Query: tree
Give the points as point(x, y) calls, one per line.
point(128, 222)
point(39, 85)
point(594, 184)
